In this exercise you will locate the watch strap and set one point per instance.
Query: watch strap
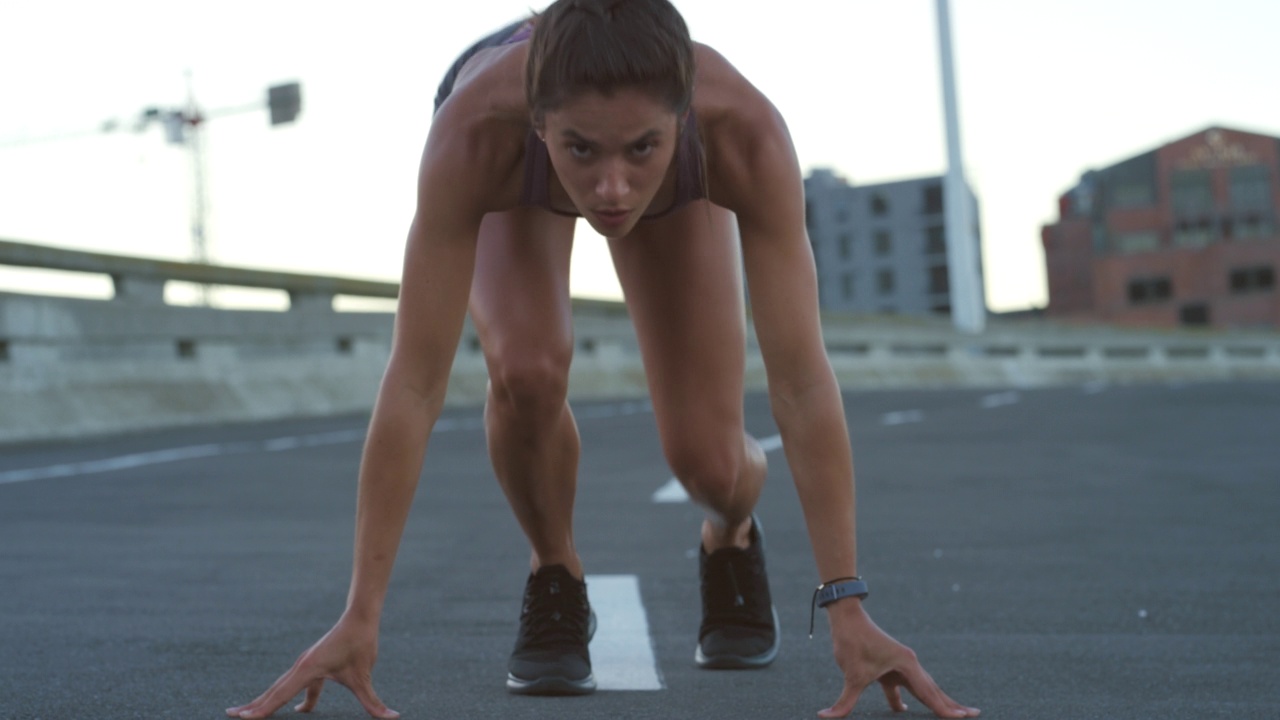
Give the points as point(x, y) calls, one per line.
point(831, 591)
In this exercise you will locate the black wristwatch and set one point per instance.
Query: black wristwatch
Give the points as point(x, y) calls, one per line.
point(833, 590)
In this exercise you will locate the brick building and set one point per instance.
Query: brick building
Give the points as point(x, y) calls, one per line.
point(1185, 234)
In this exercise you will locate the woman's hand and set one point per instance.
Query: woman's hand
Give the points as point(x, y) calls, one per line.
point(345, 655)
point(866, 655)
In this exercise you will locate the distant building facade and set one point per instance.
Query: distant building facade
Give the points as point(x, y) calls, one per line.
point(1183, 235)
point(880, 249)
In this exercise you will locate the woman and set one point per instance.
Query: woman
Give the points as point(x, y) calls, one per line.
point(606, 109)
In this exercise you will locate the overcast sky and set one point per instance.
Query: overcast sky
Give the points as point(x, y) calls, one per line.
point(1048, 89)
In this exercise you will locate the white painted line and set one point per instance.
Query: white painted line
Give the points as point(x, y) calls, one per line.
point(193, 452)
point(673, 492)
point(122, 462)
point(902, 417)
point(281, 444)
point(1093, 387)
point(1000, 400)
point(621, 652)
point(616, 410)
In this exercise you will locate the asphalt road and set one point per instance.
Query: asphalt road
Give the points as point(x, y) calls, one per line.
point(1082, 552)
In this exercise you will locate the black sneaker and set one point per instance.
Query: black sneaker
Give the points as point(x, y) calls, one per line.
point(739, 623)
point(556, 623)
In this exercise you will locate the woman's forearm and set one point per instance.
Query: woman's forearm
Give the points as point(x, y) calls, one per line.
point(815, 438)
point(389, 471)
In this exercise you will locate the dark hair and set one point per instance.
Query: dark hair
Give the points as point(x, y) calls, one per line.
point(602, 45)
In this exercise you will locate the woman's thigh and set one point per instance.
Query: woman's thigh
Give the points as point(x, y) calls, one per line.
point(520, 291)
point(682, 276)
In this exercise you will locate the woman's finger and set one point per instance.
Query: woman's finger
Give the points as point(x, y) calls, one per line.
point(844, 705)
point(893, 693)
point(284, 690)
point(920, 684)
point(361, 685)
point(313, 696)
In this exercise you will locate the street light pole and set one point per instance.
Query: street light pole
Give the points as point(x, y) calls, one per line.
point(968, 307)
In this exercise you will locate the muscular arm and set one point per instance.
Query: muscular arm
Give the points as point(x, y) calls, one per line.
point(438, 263)
point(759, 179)
point(765, 189)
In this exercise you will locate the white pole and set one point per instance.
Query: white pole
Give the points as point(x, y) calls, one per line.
point(199, 204)
point(968, 308)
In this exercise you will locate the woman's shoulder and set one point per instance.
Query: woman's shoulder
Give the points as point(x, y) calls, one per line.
point(741, 129)
point(479, 132)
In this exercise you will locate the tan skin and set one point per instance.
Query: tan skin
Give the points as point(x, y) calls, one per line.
point(472, 248)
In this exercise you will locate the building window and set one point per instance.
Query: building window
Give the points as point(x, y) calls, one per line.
point(1194, 314)
point(1191, 192)
point(1137, 242)
point(933, 199)
point(846, 286)
point(884, 242)
point(1253, 227)
point(1251, 187)
point(879, 206)
point(1132, 194)
point(1149, 290)
point(884, 281)
point(939, 280)
point(1194, 233)
point(846, 246)
point(1254, 279)
point(935, 240)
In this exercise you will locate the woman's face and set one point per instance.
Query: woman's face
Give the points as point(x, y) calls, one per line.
point(611, 153)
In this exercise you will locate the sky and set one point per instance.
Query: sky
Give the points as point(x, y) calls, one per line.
point(1047, 90)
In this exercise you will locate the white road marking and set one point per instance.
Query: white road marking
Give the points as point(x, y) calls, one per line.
point(1000, 400)
point(771, 443)
point(614, 410)
point(280, 444)
point(674, 492)
point(193, 452)
point(671, 492)
point(121, 462)
point(622, 655)
point(902, 417)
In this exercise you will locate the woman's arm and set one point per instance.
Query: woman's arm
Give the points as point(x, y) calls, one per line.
point(760, 180)
point(436, 281)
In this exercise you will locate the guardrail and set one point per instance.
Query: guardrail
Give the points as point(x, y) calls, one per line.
point(72, 367)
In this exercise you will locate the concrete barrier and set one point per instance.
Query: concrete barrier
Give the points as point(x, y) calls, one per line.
point(72, 367)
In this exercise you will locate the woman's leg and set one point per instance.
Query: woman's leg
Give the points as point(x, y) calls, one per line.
point(520, 307)
point(682, 276)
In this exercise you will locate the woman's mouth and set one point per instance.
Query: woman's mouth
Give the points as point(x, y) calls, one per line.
point(612, 218)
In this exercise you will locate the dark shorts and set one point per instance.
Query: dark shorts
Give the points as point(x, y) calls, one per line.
point(498, 38)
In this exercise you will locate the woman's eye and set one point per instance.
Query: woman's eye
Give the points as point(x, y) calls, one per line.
point(642, 149)
point(580, 151)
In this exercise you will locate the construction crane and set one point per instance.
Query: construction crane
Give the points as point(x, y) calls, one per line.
point(183, 126)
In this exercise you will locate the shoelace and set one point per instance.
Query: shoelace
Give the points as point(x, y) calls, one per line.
point(553, 616)
point(729, 607)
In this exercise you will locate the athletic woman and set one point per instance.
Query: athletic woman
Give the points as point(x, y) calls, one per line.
point(605, 109)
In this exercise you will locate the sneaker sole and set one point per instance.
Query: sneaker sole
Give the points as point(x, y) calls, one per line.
point(742, 662)
point(555, 685)
point(551, 686)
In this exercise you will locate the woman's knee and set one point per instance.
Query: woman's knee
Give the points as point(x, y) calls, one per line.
point(709, 469)
point(530, 380)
